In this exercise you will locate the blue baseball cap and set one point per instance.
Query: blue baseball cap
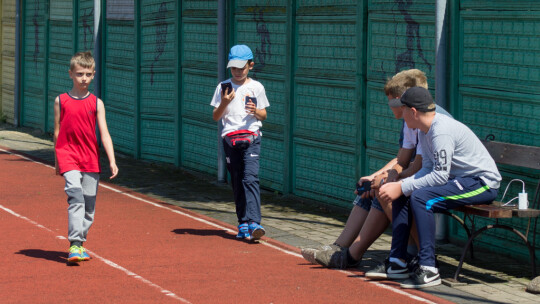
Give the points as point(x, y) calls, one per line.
point(239, 56)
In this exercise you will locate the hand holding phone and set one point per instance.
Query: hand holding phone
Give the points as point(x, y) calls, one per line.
point(364, 187)
point(252, 99)
point(249, 108)
point(226, 88)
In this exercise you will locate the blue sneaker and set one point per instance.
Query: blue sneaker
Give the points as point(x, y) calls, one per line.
point(243, 231)
point(75, 254)
point(84, 254)
point(256, 231)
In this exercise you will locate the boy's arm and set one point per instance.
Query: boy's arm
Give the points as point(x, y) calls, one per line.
point(226, 99)
point(56, 131)
point(433, 173)
point(260, 114)
point(403, 160)
point(378, 176)
point(413, 167)
point(106, 138)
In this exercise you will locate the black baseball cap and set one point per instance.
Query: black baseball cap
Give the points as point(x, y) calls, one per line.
point(418, 98)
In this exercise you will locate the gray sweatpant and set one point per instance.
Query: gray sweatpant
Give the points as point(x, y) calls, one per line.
point(81, 189)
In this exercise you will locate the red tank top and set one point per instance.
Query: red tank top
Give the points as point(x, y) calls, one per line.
point(76, 145)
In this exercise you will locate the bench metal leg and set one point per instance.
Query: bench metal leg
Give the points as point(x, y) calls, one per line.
point(462, 223)
point(478, 232)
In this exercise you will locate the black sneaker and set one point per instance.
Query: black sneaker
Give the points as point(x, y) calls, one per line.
point(332, 258)
point(422, 278)
point(388, 270)
point(413, 264)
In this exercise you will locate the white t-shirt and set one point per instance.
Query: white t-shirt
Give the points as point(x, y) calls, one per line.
point(410, 139)
point(235, 116)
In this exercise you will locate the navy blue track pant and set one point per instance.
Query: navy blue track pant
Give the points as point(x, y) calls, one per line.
point(243, 165)
point(423, 203)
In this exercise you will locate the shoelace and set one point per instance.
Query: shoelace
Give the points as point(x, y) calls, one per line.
point(75, 248)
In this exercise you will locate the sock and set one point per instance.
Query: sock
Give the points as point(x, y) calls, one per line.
point(350, 259)
point(398, 261)
point(430, 268)
point(76, 243)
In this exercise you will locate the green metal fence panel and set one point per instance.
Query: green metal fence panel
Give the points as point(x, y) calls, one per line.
point(382, 129)
point(327, 47)
point(500, 5)
point(511, 117)
point(417, 6)
point(322, 172)
point(377, 159)
point(158, 87)
point(398, 41)
point(85, 28)
point(326, 7)
point(500, 50)
point(263, 27)
point(200, 146)
point(60, 51)
point(8, 61)
point(34, 64)
point(119, 75)
point(199, 80)
point(327, 101)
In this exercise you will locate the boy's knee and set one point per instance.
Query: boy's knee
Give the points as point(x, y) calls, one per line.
point(250, 179)
point(75, 196)
point(417, 197)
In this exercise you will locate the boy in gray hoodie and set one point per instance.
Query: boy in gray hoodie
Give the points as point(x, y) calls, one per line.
point(456, 170)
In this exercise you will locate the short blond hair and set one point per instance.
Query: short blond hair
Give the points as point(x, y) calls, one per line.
point(82, 59)
point(399, 83)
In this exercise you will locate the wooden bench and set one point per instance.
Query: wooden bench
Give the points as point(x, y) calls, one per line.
point(507, 155)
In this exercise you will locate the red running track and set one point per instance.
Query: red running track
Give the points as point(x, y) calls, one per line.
point(145, 251)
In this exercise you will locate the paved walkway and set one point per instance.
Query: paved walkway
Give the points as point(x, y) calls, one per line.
point(294, 221)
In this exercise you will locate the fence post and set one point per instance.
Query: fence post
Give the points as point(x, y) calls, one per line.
point(222, 74)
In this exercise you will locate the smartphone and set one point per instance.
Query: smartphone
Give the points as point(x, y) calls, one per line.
point(364, 187)
point(252, 99)
point(225, 86)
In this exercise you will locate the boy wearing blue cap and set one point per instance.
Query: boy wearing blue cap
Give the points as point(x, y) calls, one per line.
point(240, 102)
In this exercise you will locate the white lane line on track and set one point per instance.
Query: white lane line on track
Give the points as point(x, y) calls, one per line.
point(104, 260)
point(391, 288)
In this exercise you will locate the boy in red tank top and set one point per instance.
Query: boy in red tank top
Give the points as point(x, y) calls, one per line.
point(77, 152)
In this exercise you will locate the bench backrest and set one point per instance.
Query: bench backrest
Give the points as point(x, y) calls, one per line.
point(520, 156)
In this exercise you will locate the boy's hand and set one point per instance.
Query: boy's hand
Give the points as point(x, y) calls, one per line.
point(369, 194)
point(379, 180)
point(56, 168)
point(389, 192)
point(363, 179)
point(251, 108)
point(114, 170)
point(368, 178)
point(393, 176)
point(227, 97)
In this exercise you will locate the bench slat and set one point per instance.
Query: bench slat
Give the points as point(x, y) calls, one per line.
point(526, 213)
point(497, 210)
point(489, 211)
point(515, 155)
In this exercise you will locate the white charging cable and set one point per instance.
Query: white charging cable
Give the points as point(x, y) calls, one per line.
point(521, 196)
